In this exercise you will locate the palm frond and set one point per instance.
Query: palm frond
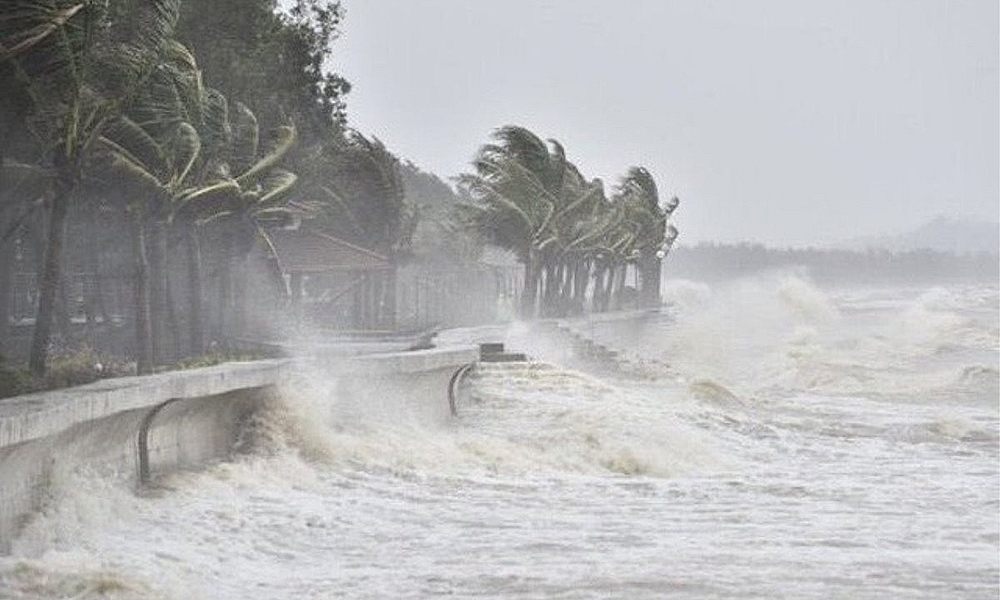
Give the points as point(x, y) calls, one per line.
point(283, 142)
point(49, 23)
point(245, 137)
point(185, 149)
point(276, 186)
point(125, 137)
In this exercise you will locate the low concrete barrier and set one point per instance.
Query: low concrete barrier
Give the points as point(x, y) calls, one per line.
point(133, 428)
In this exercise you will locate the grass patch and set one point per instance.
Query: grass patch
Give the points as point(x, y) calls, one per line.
point(86, 365)
point(66, 369)
point(217, 358)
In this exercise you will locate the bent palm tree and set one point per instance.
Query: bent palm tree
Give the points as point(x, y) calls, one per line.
point(516, 190)
point(77, 66)
point(157, 149)
point(246, 196)
point(639, 196)
point(362, 199)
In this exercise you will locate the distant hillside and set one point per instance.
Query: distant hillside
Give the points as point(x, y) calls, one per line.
point(426, 189)
point(712, 262)
point(944, 234)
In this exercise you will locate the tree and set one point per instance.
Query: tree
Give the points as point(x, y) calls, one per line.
point(362, 199)
point(250, 194)
point(77, 65)
point(528, 198)
point(512, 199)
point(272, 61)
point(166, 149)
point(647, 221)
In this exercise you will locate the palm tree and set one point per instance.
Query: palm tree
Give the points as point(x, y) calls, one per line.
point(156, 150)
point(200, 164)
point(77, 66)
point(638, 195)
point(646, 222)
point(152, 170)
point(362, 199)
point(610, 253)
point(242, 199)
point(23, 187)
point(517, 188)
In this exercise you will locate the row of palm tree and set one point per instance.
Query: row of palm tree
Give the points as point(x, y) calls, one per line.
point(114, 106)
point(104, 111)
point(574, 241)
point(68, 72)
point(193, 164)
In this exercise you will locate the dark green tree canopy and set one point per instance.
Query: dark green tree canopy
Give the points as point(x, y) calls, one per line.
point(271, 61)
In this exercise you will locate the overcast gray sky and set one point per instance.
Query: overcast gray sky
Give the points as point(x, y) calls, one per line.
point(786, 121)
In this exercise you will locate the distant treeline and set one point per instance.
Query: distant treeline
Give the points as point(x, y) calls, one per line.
point(715, 262)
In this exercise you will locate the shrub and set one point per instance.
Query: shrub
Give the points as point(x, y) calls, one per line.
point(66, 369)
point(15, 379)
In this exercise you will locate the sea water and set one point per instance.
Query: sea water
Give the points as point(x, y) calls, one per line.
point(760, 439)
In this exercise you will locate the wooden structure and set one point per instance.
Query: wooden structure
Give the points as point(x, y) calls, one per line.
point(334, 284)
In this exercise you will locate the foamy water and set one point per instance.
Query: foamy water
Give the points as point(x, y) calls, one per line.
point(766, 439)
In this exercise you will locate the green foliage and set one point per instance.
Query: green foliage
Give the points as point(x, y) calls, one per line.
point(72, 66)
point(66, 369)
point(272, 61)
point(15, 380)
point(440, 233)
point(529, 198)
point(426, 189)
point(361, 195)
point(218, 357)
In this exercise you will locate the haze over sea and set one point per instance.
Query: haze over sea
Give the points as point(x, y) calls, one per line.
point(761, 438)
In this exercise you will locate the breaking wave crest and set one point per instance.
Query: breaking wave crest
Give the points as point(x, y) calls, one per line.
point(781, 334)
point(775, 387)
point(513, 420)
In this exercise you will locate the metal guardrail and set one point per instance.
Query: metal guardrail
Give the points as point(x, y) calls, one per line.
point(456, 379)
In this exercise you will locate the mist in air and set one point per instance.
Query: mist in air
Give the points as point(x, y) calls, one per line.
point(743, 260)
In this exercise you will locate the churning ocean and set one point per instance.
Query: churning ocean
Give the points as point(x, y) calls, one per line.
point(759, 439)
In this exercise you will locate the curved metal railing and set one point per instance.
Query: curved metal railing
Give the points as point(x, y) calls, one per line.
point(456, 379)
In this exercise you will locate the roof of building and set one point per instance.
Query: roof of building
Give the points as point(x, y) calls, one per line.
point(305, 251)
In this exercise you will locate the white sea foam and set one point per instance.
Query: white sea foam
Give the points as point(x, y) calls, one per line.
point(801, 443)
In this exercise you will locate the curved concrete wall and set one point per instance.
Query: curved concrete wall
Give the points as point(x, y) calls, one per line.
point(26, 469)
point(186, 433)
point(135, 428)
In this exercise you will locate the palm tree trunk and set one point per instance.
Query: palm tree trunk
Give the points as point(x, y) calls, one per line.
point(196, 329)
point(240, 299)
point(157, 290)
point(390, 293)
point(619, 288)
point(566, 294)
point(548, 288)
point(64, 326)
point(580, 280)
point(143, 333)
point(225, 289)
point(172, 326)
point(6, 249)
point(609, 287)
point(95, 302)
point(225, 298)
point(649, 276)
point(6, 262)
point(530, 290)
point(49, 279)
point(595, 298)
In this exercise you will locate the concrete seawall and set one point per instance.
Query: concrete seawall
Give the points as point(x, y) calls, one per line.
point(134, 428)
